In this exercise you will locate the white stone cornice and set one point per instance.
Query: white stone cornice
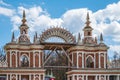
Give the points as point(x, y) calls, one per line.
point(24, 47)
point(96, 70)
point(85, 48)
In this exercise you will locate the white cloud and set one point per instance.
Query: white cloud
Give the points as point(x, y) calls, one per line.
point(3, 3)
point(6, 11)
point(16, 20)
point(74, 19)
point(105, 20)
point(113, 49)
point(108, 20)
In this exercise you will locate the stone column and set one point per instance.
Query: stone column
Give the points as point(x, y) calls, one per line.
point(10, 59)
point(33, 59)
point(108, 77)
point(96, 77)
point(39, 77)
point(104, 60)
point(86, 77)
point(33, 76)
point(94, 60)
point(43, 76)
point(82, 77)
point(29, 76)
point(118, 77)
point(77, 60)
point(72, 60)
point(99, 61)
point(39, 59)
point(16, 59)
point(99, 77)
point(82, 60)
point(16, 76)
point(19, 77)
point(77, 77)
point(73, 77)
point(10, 77)
point(68, 77)
point(104, 77)
point(7, 77)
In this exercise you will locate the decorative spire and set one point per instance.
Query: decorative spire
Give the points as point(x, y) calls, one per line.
point(87, 20)
point(79, 37)
point(35, 37)
point(35, 34)
point(101, 38)
point(13, 37)
point(24, 17)
point(75, 38)
point(79, 42)
point(24, 37)
point(96, 40)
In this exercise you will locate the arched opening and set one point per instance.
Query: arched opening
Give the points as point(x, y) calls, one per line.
point(24, 61)
point(89, 62)
point(36, 60)
point(89, 34)
point(56, 39)
point(13, 60)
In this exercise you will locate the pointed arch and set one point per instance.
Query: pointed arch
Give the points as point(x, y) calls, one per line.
point(89, 61)
point(24, 59)
point(36, 59)
point(14, 60)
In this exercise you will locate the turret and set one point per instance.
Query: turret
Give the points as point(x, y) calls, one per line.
point(24, 38)
point(87, 29)
point(88, 32)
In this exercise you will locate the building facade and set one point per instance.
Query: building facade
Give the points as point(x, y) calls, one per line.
point(86, 57)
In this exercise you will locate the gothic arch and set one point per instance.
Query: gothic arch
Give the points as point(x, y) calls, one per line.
point(13, 60)
point(89, 61)
point(57, 32)
point(24, 59)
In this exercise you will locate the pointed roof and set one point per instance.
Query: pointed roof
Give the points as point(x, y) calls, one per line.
point(87, 20)
point(23, 26)
point(87, 23)
point(79, 37)
point(35, 37)
point(79, 42)
point(35, 34)
point(24, 17)
point(95, 39)
point(24, 21)
point(101, 38)
point(13, 37)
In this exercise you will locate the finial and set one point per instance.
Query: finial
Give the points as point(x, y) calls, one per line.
point(79, 37)
point(34, 39)
point(35, 34)
point(101, 38)
point(24, 16)
point(96, 40)
point(13, 37)
point(87, 18)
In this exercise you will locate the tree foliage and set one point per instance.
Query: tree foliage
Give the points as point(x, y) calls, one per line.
point(57, 59)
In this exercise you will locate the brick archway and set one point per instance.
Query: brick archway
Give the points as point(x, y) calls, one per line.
point(57, 32)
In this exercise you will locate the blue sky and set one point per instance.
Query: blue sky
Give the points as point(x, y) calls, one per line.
point(71, 14)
